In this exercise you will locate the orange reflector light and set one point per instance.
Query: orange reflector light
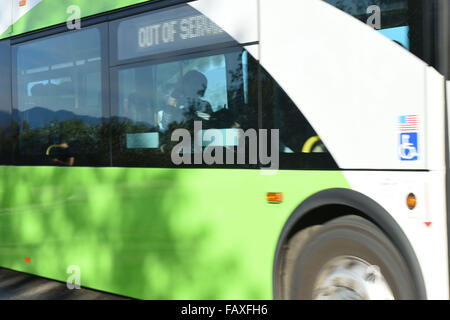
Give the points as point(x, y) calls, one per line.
point(22, 3)
point(274, 197)
point(411, 201)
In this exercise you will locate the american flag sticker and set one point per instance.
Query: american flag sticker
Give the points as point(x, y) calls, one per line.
point(409, 137)
point(408, 123)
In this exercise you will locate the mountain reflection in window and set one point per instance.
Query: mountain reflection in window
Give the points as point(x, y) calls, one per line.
point(59, 96)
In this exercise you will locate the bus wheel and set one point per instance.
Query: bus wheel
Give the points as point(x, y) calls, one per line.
point(348, 258)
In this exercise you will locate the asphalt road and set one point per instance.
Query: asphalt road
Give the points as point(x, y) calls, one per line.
point(21, 286)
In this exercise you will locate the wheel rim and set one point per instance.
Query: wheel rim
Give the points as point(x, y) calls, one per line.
point(351, 278)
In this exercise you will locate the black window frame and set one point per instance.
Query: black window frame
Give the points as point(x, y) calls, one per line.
point(6, 132)
point(443, 37)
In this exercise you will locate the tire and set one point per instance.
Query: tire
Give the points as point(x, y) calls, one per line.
point(313, 266)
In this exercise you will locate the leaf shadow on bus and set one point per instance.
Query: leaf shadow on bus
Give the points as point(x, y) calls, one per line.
point(167, 248)
point(128, 230)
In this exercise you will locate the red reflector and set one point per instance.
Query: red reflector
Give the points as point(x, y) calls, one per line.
point(27, 259)
point(23, 3)
point(274, 197)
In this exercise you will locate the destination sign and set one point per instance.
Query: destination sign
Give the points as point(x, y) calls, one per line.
point(165, 31)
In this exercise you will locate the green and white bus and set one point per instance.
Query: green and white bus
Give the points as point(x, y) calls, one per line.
point(354, 92)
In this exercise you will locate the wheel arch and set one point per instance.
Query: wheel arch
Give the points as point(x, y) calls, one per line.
point(329, 204)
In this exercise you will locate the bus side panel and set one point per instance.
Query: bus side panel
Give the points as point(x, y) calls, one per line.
point(425, 226)
point(6, 16)
point(151, 233)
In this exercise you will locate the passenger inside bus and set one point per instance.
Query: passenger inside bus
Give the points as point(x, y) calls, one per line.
point(213, 90)
point(186, 101)
point(61, 154)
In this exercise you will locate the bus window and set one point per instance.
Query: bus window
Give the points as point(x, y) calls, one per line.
point(401, 21)
point(300, 146)
point(58, 99)
point(153, 100)
point(5, 103)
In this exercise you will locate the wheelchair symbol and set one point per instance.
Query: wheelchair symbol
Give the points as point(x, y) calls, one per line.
point(408, 147)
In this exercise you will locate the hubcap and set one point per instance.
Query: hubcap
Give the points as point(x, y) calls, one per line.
point(351, 278)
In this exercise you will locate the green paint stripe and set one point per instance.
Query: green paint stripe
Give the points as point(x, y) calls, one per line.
point(52, 12)
point(151, 233)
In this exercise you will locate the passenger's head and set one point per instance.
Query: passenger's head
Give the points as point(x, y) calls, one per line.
point(193, 85)
point(63, 139)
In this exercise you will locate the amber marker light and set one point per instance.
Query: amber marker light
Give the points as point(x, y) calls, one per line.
point(411, 201)
point(274, 197)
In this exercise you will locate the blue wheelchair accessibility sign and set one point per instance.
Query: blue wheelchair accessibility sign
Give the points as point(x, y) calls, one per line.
point(409, 150)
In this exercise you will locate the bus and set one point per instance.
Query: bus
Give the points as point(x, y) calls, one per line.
point(227, 149)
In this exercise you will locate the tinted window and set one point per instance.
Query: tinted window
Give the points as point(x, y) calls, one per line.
point(58, 101)
point(401, 21)
point(152, 100)
point(300, 146)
